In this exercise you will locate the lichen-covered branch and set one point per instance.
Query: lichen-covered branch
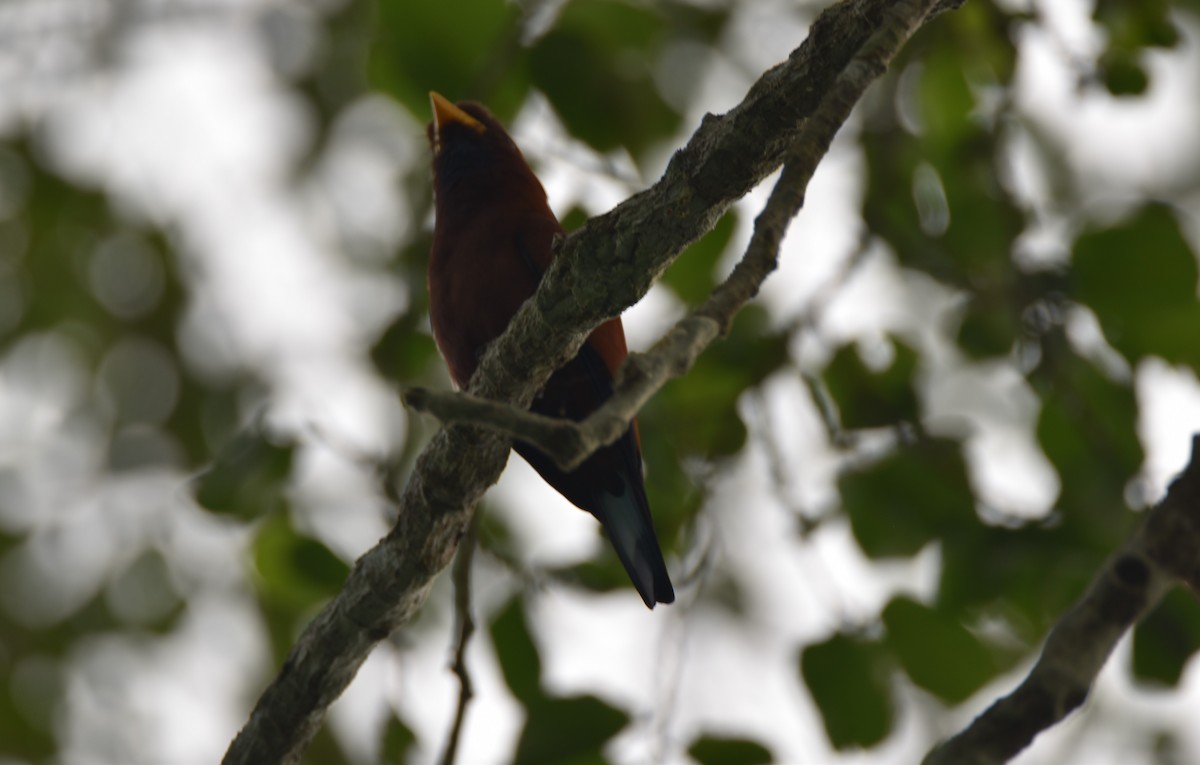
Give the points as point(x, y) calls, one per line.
point(602, 269)
point(1164, 551)
point(569, 443)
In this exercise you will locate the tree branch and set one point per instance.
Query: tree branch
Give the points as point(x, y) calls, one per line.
point(603, 268)
point(569, 443)
point(558, 438)
point(1163, 551)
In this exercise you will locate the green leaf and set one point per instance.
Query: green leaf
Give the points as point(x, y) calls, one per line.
point(568, 731)
point(1140, 278)
point(848, 680)
point(987, 330)
point(464, 53)
point(1166, 640)
point(692, 277)
point(32, 699)
point(573, 218)
point(248, 478)
point(910, 498)
point(325, 749)
point(936, 650)
point(405, 354)
point(693, 22)
point(945, 97)
point(1123, 74)
point(968, 244)
point(604, 575)
point(1088, 430)
point(1027, 575)
point(675, 494)
point(557, 730)
point(518, 656)
point(710, 750)
point(699, 411)
point(398, 740)
point(297, 572)
point(867, 399)
point(979, 38)
point(594, 64)
point(1136, 24)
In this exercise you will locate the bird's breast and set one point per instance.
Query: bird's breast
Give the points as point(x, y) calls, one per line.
point(479, 275)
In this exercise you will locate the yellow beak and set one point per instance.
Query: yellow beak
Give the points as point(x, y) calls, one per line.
point(444, 112)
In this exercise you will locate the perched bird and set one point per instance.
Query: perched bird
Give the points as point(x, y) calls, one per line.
point(492, 241)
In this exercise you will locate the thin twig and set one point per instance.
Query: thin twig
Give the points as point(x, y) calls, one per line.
point(466, 628)
point(555, 436)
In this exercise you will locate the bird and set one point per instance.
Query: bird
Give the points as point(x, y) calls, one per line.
point(493, 239)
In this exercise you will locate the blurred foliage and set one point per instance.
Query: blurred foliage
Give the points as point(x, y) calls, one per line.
point(848, 679)
point(694, 276)
point(867, 399)
point(750, 353)
point(1132, 27)
point(595, 62)
point(247, 478)
point(910, 498)
point(102, 290)
point(1166, 639)
point(558, 729)
point(937, 652)
point(1140, 278)
point(710, 750)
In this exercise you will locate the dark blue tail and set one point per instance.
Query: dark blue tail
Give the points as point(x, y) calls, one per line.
point(626, 518)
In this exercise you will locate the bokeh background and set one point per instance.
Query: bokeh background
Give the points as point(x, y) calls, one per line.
point(974, 368)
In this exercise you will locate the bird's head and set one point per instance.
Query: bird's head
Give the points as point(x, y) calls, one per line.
point(471, 149)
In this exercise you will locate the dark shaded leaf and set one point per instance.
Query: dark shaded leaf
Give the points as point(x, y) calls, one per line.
point(868, 399)
point(1030, 575)
point(398, 739)
point(910, 498)
point(605, 575)
point(1166, 639)
point(296, 571)
point(937, 651)
point(248, 477)
point(517, 653)
point(573, 218)
point(568, 731)
point(1123, 74)
point(693, 276)
point(987, 330)
point(405, 354)
point(848, 680)
point(1088, 429)
point(710, 750)
point(33, 690)
point(324, 749)
point(699, 411)
point(424, 46)
point(1136, 24)
point(1140, 278)
point(595, 66)
point(675, 494)
point(945, 97)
